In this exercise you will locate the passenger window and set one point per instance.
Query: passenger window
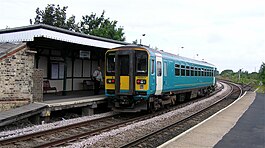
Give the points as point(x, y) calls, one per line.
point(165, 68)
point(159, 68)
point(187, 71)
point(192, 71)
point(177, 70)
point(152, 66)
point(182, 70)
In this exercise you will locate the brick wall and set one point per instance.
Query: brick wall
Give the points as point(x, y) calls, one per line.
point(16, 79)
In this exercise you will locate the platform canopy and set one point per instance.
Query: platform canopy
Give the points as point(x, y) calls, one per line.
point(28, 33)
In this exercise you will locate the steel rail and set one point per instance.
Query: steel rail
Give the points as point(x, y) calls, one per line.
point(141, 139)
point(86, 134)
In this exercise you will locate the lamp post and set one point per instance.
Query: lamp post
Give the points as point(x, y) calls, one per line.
point(141, 39)
point(239, 72)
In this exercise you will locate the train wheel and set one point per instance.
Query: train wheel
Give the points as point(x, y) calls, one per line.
point(151, 106)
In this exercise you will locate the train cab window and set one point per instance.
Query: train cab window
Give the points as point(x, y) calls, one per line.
point(141, 62)
point(177, 70)
point(192, 71)
point(187, 71)
point(182, 70)
point(165, 68)
point(152, 66)
point(159, 68)
point(111, 62)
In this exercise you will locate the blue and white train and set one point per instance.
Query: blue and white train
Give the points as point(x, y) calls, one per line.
point(140, 78)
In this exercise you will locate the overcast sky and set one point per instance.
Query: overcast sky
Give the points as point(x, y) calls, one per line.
point(227, 33)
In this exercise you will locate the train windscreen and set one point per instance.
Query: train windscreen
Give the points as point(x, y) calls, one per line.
point(141, 62)
point(111, 62)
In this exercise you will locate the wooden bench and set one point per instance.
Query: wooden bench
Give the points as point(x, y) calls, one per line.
point(87, 83)
point(47, 87)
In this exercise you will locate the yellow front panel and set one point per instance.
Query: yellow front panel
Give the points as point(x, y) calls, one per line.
point(144, 86)
point(109, 86)
point(124, 80)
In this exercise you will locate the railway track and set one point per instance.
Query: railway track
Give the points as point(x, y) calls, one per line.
point(162, 135)
point(64, 135)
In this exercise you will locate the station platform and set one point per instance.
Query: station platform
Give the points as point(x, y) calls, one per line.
point(19, 113)
point(88, 104)
point(241, 124)
point(44, 109)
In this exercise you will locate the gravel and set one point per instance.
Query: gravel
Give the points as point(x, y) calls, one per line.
point(120, 136)
point(37, 128)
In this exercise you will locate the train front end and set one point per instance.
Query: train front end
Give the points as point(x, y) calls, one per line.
point(126, 79)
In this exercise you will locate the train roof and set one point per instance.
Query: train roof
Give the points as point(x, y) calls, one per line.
point(170, 55)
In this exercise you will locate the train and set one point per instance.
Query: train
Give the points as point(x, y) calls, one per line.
point(139, 78)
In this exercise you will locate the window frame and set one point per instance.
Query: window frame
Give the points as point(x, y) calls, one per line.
point(159, 68)
point(60, 70)
point(165, 68)
point(182, 70)
point(177, 70)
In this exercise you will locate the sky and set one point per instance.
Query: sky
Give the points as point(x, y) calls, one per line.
point(227, 33)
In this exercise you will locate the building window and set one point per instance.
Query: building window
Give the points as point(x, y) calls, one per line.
point(57, 70)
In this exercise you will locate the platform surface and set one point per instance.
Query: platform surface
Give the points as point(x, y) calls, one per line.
point(16, 114)
point(67, 103)
point(249, 132)
point(212, 130)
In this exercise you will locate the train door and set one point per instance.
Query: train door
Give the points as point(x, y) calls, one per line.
point(153, 76)
point(165, 75)
point(159, 74)
point(125, 72)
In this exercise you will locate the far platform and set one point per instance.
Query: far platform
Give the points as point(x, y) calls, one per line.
point(239, 125)
point(54, 102)
point(85, 99)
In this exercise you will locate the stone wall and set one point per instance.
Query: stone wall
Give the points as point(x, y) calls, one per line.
point(16, 82)
point(37, 85)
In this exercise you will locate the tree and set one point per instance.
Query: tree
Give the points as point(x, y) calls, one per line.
point(227, 72)
point(262, 73)
point(55, 16)
point(99, 26)
point(90, 24)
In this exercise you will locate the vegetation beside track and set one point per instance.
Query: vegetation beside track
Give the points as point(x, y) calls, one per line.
point(254, 79)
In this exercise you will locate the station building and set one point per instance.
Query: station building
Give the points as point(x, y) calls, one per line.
point(32, 55)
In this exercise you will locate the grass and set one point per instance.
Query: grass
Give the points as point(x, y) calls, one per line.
point(261, 89)
point(254, 83)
